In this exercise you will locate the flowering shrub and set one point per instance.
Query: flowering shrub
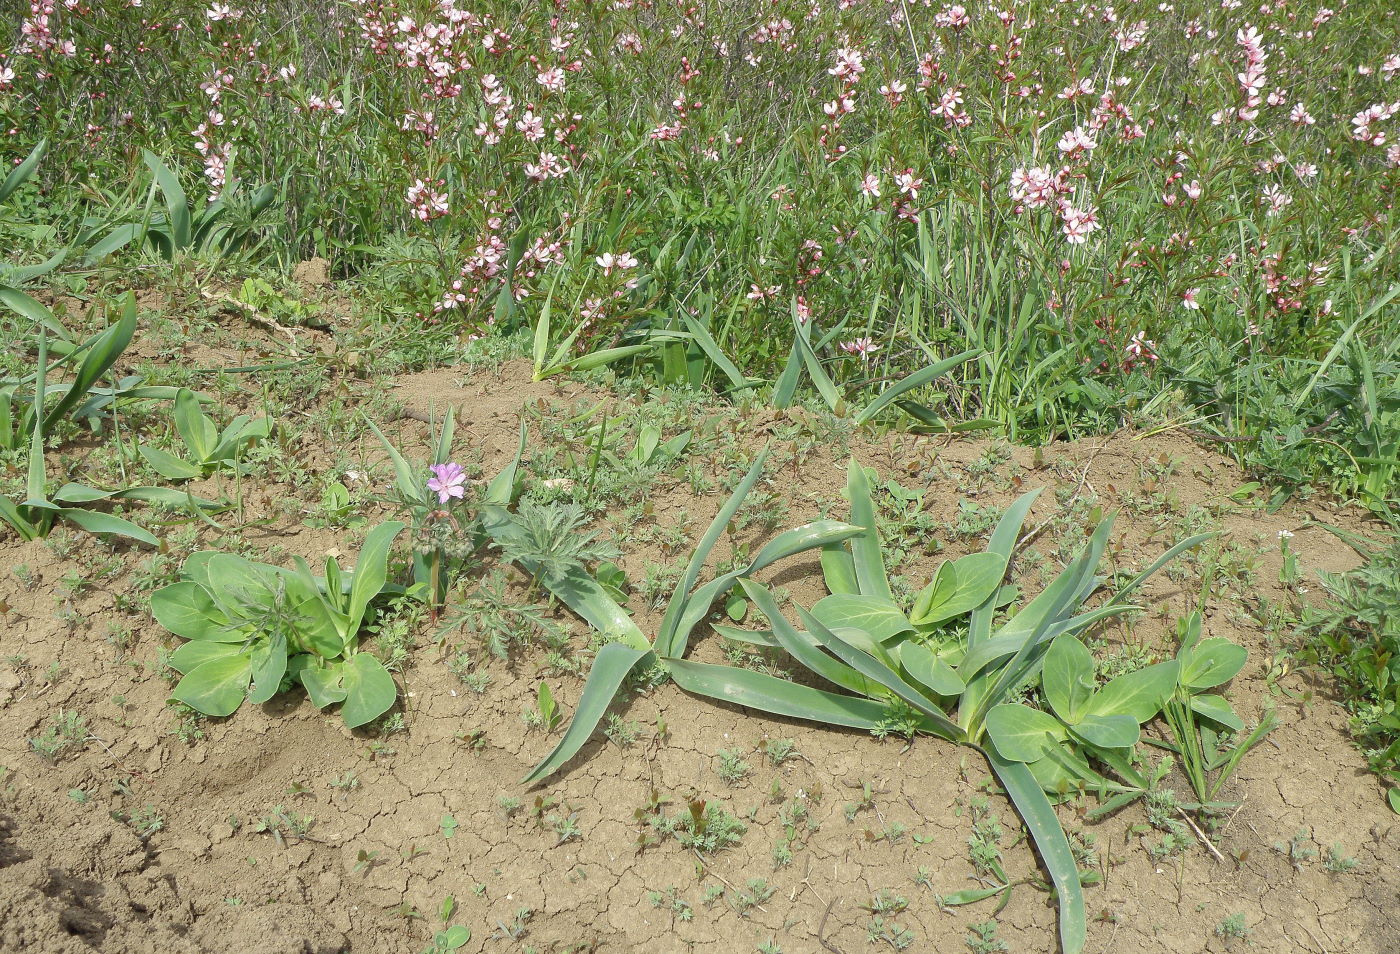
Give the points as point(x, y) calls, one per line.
point(1179, 191)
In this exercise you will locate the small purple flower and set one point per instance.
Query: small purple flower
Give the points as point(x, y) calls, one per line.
point(448, 481)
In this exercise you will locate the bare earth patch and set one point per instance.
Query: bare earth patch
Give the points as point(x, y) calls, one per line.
point(366, 867)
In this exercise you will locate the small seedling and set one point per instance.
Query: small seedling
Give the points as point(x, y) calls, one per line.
point(282, 824)
point(1299, 848)
point(778, 751)
point(983, 939)
point(732, 767)
point(620, 733)
point(1233, 927)
point(1337, 861)
point(756, 891)
point(67, 730)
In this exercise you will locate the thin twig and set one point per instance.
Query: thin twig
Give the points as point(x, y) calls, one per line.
point(1201, 835)
point(821, 930)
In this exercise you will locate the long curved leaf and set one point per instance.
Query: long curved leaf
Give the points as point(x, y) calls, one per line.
point(872, 668)
point(611, 666)
point(1158, 563)
point(94, 521)
point(915, 380)
point(789, 543)
point(177, 206)
point(804, 647)
point(21, 173)
point(756, 690)
point(1040, 820)
point(676, 607)
point(105, 351)
point(865, 547)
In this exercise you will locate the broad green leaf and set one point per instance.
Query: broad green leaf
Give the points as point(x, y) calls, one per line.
point(839, 570)
point(232, 581)
point(187, 610)
point(875, 616)
point(1217, 709)
point(1067, 675)
point(928, 670)
point(267, 664)
point(320, 629)
point(371, 572)
point(588, 598)
point(216, 687)
point(94, 521)
point(1212, 662)
point(194, 426)
point(28, 307)
point(1393, 797)
point(325, 684)
point(1108, 732)
point(610, 667)
point(194, 654)
point(958, 587)
point(882, 672)
point(1139, 694)
point(1050, 843)
point(369, 690)
point(1021, 733)
point(756, 690)
point(168, 465)
point(118, 238)
point(71, 493)
point(871, 575)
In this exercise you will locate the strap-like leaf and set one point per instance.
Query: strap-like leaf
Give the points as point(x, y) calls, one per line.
point(105, 351)
point(610, 667)
point(177, 206)
point(916, 380)
point(865, 547)
point(756, 690)
point(872, 668)
point(1050, 843)
point(676, 607)
point(819, 533)
point(21, 173)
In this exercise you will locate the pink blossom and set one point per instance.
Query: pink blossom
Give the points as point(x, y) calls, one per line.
point(864, 347)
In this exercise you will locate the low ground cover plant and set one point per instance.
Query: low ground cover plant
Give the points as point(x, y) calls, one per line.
point(254, 630)
point(909, 670)
point(1355, 635)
